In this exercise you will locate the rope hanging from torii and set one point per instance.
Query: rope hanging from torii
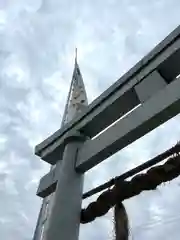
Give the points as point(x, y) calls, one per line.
point(126, 189)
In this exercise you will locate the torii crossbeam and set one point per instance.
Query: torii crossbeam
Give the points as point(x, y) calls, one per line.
point(145, 97)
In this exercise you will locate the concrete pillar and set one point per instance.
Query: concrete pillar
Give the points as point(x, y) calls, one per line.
point(64, 220)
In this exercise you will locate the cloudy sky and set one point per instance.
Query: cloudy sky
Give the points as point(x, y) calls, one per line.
point(37, 42)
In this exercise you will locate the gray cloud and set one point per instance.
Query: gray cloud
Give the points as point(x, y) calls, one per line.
point(37, 42)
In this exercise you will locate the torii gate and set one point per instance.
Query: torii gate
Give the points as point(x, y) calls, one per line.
point(145, 97)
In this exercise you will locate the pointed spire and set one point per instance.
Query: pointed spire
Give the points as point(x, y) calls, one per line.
point(77, 97)
point(76, 55)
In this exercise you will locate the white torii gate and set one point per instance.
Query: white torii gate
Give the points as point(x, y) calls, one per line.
point(150, 90)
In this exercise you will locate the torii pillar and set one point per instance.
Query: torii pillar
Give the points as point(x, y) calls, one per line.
point(64, 220)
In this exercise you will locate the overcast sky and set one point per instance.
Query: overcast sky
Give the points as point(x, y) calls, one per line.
point(37, 42)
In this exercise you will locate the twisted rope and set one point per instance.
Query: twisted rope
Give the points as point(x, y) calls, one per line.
point(136, 170)
point(126, 189)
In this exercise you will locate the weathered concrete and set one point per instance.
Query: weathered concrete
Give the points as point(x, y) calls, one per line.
point(119, 98)
point(162, 106)
point(157, 110)
point(76, 102)
point(48, 183)
point(65, 214)
point(149, 86)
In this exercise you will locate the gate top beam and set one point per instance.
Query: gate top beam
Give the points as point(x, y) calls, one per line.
point(158, 109)
point(164, 105)
point(115, 101)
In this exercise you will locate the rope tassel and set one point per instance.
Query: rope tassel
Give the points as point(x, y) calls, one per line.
point(121, 223)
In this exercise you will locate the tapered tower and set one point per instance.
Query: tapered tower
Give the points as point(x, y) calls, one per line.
point(75, 104)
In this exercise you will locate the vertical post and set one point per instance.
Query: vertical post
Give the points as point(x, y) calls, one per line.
point(64, 220)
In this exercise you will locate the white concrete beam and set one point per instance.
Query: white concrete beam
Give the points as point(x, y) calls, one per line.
point(164, 105)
